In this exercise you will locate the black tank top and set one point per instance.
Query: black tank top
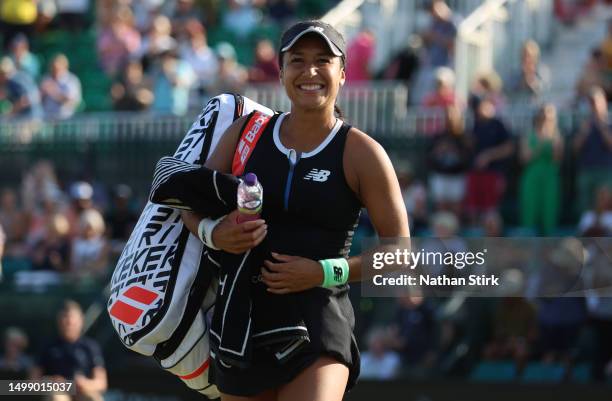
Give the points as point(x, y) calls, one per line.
point(311, 212)
point(308, 206)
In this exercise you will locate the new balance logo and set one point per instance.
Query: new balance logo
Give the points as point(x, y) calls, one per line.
point(337, 274)
point(317, 175)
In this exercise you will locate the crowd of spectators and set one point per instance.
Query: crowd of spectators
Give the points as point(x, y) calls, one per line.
point(469, 168)
point(67, 356)
point(156, 54)
point(64, 232)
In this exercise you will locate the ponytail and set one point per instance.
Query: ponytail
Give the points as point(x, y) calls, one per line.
point(338, 112)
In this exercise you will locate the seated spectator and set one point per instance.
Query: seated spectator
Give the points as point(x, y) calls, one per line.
point(492, 147)
point(118, 41)
point(121, 218)
point(265, 68)
point(241, 18)
point(492, 225)
point(39, 184)
point(24, 60)
point(72, 14)
point(443, 238)
point(593, 147)
point(15, 363)
point(379, 361)
point(232, 76)
point(448, 160)
point(415, 332)
point(74, 357)
point(18, 98)
point(560, 321)
point(560, 317)
point(514, 330)
point(439, 38)
point(597, 222)
point(157, 42)
point(532, 80)
point(89, 258)
point(488, 85)
point(41, 217)
point(540, 188)
point(360, 52)
point(17, 16)
point(173, 79)
point(61, 90)
point(132, 92)
point(14, 221)
point(414, 195)
point(202, 59)
point(52, 251)
point(444, 92)
point(81, 200)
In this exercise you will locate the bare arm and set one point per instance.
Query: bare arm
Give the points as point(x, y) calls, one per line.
point(96, 384)
point(220, 160)
point(370, 175)
point(229, 235)
point(371, 170)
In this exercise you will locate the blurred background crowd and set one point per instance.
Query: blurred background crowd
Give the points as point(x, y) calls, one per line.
point(476, 174)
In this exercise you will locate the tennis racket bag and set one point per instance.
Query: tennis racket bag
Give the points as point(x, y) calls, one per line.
point(161, 290)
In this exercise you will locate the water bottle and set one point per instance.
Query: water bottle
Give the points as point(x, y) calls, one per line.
point(250, 199)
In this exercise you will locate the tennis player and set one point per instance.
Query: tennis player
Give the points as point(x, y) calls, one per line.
point(317, 173)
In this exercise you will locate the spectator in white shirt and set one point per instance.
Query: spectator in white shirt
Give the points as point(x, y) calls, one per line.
point(379, 361)
point(202, 59)
point(61, 90)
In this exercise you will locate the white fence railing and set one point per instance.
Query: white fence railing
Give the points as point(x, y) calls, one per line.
point(378, 108)
point(492, 36)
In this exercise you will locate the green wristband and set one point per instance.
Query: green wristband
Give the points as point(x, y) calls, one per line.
point(335, 272)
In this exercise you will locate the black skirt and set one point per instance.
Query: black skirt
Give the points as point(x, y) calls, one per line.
point(329, 317)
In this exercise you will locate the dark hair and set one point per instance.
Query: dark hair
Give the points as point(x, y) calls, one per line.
point(338, 112)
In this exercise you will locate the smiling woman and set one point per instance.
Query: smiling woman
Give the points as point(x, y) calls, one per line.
point(317, 173)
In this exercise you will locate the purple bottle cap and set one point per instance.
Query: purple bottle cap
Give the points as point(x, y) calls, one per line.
point(250, 179)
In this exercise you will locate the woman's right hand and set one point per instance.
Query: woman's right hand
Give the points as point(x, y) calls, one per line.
point(238, 238)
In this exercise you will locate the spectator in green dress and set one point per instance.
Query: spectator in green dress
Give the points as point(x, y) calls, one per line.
point(541, 154)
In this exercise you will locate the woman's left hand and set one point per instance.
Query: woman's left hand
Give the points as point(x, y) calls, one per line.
point(291, 274)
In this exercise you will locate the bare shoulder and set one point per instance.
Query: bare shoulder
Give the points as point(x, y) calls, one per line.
point(363, 157)
point(364, 151)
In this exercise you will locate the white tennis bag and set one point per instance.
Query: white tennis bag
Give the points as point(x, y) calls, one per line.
point(161, 291)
